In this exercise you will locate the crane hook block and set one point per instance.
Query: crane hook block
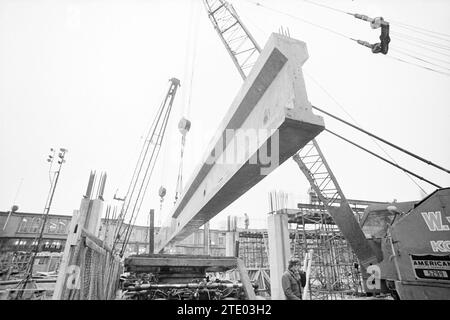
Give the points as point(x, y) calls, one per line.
point(162, 192)
point(184, 126)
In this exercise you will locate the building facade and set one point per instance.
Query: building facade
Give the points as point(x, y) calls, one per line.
point(19, 234)
point(21, 230)
point(138, 242)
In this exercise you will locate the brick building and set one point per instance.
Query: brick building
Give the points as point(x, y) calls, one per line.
point(19, 233)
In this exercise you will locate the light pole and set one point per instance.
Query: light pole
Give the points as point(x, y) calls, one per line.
point(53, 182)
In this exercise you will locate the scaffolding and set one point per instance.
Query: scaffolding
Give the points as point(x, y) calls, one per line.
point(334, 274)
point(253, 250)
point(334, 269)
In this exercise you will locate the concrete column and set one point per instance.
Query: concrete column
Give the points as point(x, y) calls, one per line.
point(93, 217)
point(279, 252)
point(230, 244)
point(73, 235)
point(206, 239)
point(151, 245)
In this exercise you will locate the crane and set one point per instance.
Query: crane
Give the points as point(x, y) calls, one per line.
point(243, 50)
point(144, 167)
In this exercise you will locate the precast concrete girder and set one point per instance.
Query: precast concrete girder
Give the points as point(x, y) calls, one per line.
point(269, 120)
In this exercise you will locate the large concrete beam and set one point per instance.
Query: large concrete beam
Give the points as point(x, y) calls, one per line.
point(269, 120)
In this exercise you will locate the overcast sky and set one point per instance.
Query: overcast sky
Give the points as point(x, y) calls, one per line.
point(89, 75)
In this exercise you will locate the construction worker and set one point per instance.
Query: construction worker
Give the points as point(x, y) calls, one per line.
point(383, 46)
point(293, 280)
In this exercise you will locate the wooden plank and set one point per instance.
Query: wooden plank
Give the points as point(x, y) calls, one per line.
point(307, 269)
point(95, 243)
point(179, 262)
point(247, 284)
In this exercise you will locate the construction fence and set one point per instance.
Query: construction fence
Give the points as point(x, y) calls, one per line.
point(92, 272)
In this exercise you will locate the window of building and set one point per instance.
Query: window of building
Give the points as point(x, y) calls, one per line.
point(189, 240)
point(198, 238)
point(55, 245)
point(24, 225)
point(36, 225)
point(131, 249)
point(43, 260)
point(33, 225)
point(62, 226)
point(142, 249)
point(52, 225)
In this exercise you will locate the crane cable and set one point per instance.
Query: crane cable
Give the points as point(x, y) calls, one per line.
point(258, 4)
point(150, 163)
point(134, 180)
point(190, 60)
point(356, 122)
point(403, 37)
point(364, 43)
point(384, 159)
point(419, 58)
point(184, 124)
point(417, 65)
point(383, 140)
point(400, 24)
point(424, 31)
point(400, 48)
point(420, 40)
point(412, 43)
point(338, 104)
point(192, 34)
point(378, 156)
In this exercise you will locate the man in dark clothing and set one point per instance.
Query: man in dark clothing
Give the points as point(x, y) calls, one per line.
point(293, 280)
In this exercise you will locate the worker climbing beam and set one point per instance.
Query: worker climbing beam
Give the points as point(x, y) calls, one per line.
point(375, 23)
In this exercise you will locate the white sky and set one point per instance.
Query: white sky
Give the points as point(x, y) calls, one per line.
point(89, 75)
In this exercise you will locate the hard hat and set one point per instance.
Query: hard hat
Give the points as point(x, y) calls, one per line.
point(376, 23)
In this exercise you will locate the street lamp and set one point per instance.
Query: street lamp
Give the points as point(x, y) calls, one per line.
point(14, 209)
point(53, 183)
